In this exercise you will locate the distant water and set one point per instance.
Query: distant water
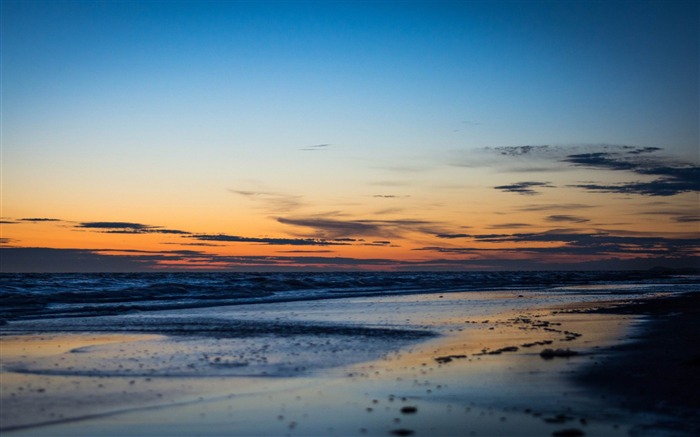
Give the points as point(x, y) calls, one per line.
point(29, 296)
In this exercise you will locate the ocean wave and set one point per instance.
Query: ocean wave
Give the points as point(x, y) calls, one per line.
point(25, 296)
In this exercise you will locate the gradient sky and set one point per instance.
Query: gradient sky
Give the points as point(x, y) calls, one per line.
point(151, 135)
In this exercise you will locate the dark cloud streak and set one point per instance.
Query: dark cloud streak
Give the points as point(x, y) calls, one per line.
point(270, 241)
point(566, 218)
point(524, 188)
point(671, 179)
point(127, 228)
point(40, 219)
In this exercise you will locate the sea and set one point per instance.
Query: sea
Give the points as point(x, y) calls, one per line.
point(41, 296)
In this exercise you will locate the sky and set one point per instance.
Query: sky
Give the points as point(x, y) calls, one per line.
point(333, 135)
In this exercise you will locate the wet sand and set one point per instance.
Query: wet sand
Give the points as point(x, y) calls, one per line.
point(453, 364)
point(659, 372)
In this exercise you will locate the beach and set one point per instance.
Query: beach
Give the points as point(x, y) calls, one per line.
point(458, 363)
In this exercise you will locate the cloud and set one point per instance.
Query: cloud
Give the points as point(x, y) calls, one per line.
point(555, 207)
point(516, 159)
point(168, 231)
point(378, 243)
point(272, 201)
point(128, 228)
point(509, 226)
point(524, 188)
point(387, 211)
point(598, 243)
point(524, 150)
point(668, 177)
point(41, 259)
point(639, 151)
point(316, 148)
point(8, 221)
point(49, 260)
point(679, 215)
point(333, 228)
point(112, 225)
point(687, 218)
point(555, 152)
point(305, 251)
point(537, 262)
point(200, 244)
point(671, 178)
point(566, 218)
point(270, 241)
point(579, 247)
point(605, 160)
point(659, 187)
point(452, 236)
point(110, 260)
point(36, 219)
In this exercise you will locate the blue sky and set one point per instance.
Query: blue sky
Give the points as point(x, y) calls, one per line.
point(618, 72)
point(164, 112)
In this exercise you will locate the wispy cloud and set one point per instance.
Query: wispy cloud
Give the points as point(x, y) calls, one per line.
point(327, 227)
point(453, 236)
point(566, 218)
point(659, 187)
point(306, 251)
point(42, 259)
point(273, 202)
point(40, 219)
point(315, 147)
point(39, 259)
point(387, 211)
point(509, 226)
point(516, 159)
point(687, 218)
point(671, 177)
point(639, 151)
point(601, 244)
point(524, 188)
point(127, 228)
point(378, 243)
point(555, 207)
point(270, 241)
point(679, 215)
point(333, 228)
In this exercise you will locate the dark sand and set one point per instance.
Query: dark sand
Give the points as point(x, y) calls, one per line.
point(659, 372)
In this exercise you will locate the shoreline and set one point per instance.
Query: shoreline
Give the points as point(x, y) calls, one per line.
point(483, 375)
